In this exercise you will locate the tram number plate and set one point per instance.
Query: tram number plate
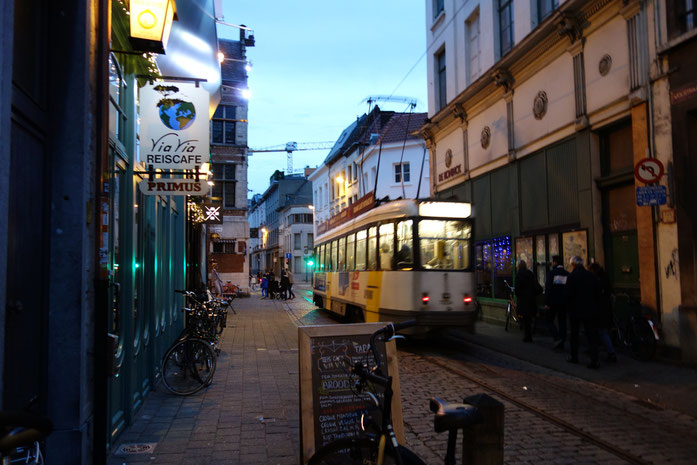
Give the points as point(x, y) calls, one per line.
point(446, 298)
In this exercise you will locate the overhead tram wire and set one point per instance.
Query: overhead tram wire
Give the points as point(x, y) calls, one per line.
point(424, 54)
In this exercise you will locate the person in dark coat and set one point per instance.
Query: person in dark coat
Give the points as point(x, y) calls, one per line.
point(525, 292)
point(285, 284)
point(555, 302)
point(604, 320)
point(582, 293)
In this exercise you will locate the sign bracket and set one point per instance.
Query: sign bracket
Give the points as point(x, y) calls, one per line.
point(152, 78)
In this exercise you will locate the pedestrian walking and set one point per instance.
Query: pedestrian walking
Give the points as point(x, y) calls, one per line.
point(265, 286)
point(284, 285)
point(604, 320)
point(291, 294)
point(526, 291)
point(582, 292)
point(216, 284)
point(555, 302)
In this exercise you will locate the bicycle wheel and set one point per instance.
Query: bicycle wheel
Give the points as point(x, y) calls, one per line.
point(188, 367)
point(642, 341)
point(359, 451)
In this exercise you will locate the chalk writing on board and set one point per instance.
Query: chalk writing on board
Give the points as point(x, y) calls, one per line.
point(337, 405)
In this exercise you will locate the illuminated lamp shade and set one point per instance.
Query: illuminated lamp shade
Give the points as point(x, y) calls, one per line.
point(151, 23)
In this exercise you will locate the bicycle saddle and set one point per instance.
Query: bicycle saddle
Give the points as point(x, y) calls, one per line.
point(21, 429)
point(453, 416)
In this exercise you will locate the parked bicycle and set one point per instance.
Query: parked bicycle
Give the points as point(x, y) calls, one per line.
point(512, 308)
point(633, 328)
point(21, 434)
point(378, 443)
point(189, 365)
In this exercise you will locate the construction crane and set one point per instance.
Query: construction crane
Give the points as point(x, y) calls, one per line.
point(291, 147)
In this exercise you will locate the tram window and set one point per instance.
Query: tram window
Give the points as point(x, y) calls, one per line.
point(445, 244)
point(372, 248)
point(386, 246)
point(360, 250)
point(404, 258)
point(332, 258)
point(350, 252)
point(323, 257)
point(341, 261)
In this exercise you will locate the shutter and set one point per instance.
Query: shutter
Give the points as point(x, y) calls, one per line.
point(482, 208)
point(533, 192)
point(562, 182)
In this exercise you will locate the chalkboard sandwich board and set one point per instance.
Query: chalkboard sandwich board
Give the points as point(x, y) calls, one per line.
point(329, 406)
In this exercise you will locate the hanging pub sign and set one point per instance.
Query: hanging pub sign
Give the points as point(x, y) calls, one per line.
point(173, 187)
point(174, 126)
point(213, 213)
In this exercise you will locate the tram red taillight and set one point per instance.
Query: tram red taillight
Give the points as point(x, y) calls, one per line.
point(467, 299)
point(425, 298)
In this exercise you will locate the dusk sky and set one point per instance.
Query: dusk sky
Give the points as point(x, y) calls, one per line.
point(314, 63)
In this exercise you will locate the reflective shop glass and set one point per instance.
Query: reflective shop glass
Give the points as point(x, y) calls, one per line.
point(445, 244)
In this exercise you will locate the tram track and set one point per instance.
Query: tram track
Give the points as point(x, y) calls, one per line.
point(596, 415)
point(570, 428)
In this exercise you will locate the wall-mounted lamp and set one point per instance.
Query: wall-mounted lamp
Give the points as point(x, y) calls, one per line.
point(339, 179)
point(244, 93)
point(151, 23)
point(215, 237)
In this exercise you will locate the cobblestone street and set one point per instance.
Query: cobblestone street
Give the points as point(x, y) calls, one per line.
point(250, 414)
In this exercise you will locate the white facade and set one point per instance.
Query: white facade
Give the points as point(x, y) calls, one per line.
point(298, 239)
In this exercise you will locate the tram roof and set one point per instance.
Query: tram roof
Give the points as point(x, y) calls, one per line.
point(391, 210)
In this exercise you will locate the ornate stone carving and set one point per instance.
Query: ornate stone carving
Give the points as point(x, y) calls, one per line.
point(604, 65)
point(570, 26)
point(459, 112)
point(539, 106)
point(485, 138)
point(503, 77)
point(448, 158)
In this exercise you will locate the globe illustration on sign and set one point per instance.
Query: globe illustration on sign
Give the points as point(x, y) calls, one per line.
point(176, 114)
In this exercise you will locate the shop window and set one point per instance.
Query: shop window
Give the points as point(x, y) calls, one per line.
point(493, 266)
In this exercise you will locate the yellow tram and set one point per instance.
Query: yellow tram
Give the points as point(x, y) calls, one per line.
point(403, 259)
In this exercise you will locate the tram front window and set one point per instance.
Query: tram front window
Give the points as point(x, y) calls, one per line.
point(445, 244)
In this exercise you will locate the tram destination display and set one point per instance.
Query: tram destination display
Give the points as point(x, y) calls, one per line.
point(331, 408)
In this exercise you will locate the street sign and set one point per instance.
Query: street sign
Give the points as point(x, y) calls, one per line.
point(289, 255)
point(163, 186)
point(212, 212)
point(651, 195)
point(649, 170)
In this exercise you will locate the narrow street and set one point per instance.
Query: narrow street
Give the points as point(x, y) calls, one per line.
point(250, 414)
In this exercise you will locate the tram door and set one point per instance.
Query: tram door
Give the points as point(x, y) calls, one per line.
point(619, 211)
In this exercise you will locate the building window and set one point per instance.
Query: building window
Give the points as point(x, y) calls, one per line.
point(117, 93)
point(438, 6)
point(685, 15)
point(310, 240)
point(224, 183)
point(440, 80)
point(402, 171)
point(545, 8)
point(223, 125)
point(225, 246)
point(506, 25)
point(472, 46)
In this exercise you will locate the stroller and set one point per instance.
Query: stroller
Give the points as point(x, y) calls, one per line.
point(274, 289)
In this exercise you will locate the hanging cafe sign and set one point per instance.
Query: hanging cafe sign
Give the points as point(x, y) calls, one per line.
point(174, 125)
point(173, 187)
